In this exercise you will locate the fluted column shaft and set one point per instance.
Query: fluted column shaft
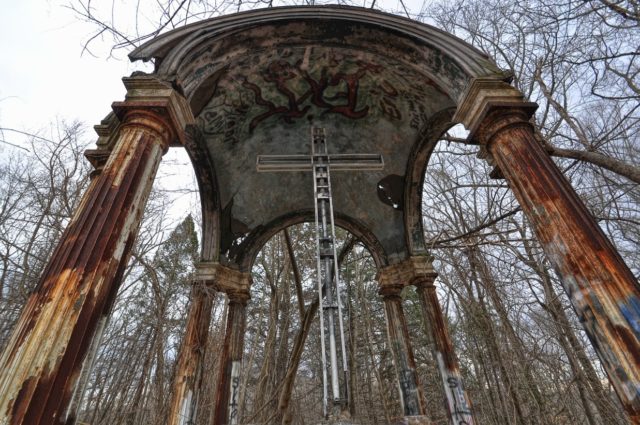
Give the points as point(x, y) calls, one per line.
point(412, 396)
point(188, 376)
point(603, 291)
point(236, 285)
point(42, 360)
point(458, 403)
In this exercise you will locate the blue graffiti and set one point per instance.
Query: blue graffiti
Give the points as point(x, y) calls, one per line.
point(631, 311)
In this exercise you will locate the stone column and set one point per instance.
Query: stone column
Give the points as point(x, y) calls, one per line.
point(391, 280)
point(188, 377)
point(42, 360)
point(236, 285)
point(85, 372)
point(458, 402)
point(602, 289)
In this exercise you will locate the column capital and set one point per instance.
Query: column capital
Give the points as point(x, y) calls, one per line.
point(415, 270)
point(485, 94)
point(234, 283)
point(389, 290)
point(146, 93)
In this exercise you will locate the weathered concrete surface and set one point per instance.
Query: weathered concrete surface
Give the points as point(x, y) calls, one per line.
point(458, 402)
point(602, 289)
point(411, 393)
point(258, 80)
point(188, 376)
point(85, 371)
point(41, 363)
point(236, 285)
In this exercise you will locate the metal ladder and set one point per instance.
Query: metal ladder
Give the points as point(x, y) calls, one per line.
point(328, 278)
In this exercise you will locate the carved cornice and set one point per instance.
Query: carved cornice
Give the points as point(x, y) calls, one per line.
point(234, 283)
point(415, 270)
point(485, 94)
point(106, 130)
point(147, 93)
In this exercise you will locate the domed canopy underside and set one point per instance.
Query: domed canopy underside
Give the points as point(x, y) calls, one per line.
point(258, 82)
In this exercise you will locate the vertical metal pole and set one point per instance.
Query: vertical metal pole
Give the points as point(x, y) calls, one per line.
point(320, 301)
point(345, 366)
point(327, 257)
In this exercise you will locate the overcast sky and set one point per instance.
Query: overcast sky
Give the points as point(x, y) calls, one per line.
point(44, 76)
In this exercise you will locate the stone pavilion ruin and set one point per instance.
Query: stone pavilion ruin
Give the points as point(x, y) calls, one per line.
point(253, 83)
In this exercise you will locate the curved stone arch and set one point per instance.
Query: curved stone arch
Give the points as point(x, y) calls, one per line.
point(154, 116)
point(208, 190)
point(194, 58)
point(173, 49)
point(414, 179)
point(245, 254)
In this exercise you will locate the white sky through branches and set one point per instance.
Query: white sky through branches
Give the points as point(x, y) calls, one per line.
point(46, 78)
point(44, 75)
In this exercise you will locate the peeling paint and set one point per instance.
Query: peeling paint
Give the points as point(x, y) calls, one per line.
point(42, 361)
point(601, 288)
point(411, 396)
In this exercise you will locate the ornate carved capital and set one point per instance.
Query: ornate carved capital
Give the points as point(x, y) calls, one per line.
point(149, 97)
point(415, 270)
point(485, 95)
point(234, 283)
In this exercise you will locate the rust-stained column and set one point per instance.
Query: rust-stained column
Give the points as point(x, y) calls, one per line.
point(41, 362)
point(391, 280)
point(602, 289)
point(188, 377)
point(458, 403)
point(85, 372)
point(236, 285)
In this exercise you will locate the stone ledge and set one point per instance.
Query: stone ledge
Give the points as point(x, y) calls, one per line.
point(407, 272)
point(485, 93)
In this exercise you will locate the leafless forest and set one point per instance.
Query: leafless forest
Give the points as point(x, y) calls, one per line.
point(523, 355)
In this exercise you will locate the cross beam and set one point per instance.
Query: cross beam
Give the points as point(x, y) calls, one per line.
point(337, 162)
point(320, 163)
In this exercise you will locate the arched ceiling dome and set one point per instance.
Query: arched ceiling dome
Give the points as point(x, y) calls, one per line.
point(257, 81)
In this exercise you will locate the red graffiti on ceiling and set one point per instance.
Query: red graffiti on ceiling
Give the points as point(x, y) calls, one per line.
point(284, 77)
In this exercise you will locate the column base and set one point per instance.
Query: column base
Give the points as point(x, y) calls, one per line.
point(412, 420)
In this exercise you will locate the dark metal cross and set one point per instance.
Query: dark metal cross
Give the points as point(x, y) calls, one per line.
point(320, 163)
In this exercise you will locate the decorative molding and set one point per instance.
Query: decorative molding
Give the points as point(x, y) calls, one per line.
point(415, 270)
point(484, 94)
point(106, 130)
point(234, 283)
point(145, 92)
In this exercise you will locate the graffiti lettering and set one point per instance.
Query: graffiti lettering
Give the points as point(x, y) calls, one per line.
point(235, 392)
point(459, 409)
